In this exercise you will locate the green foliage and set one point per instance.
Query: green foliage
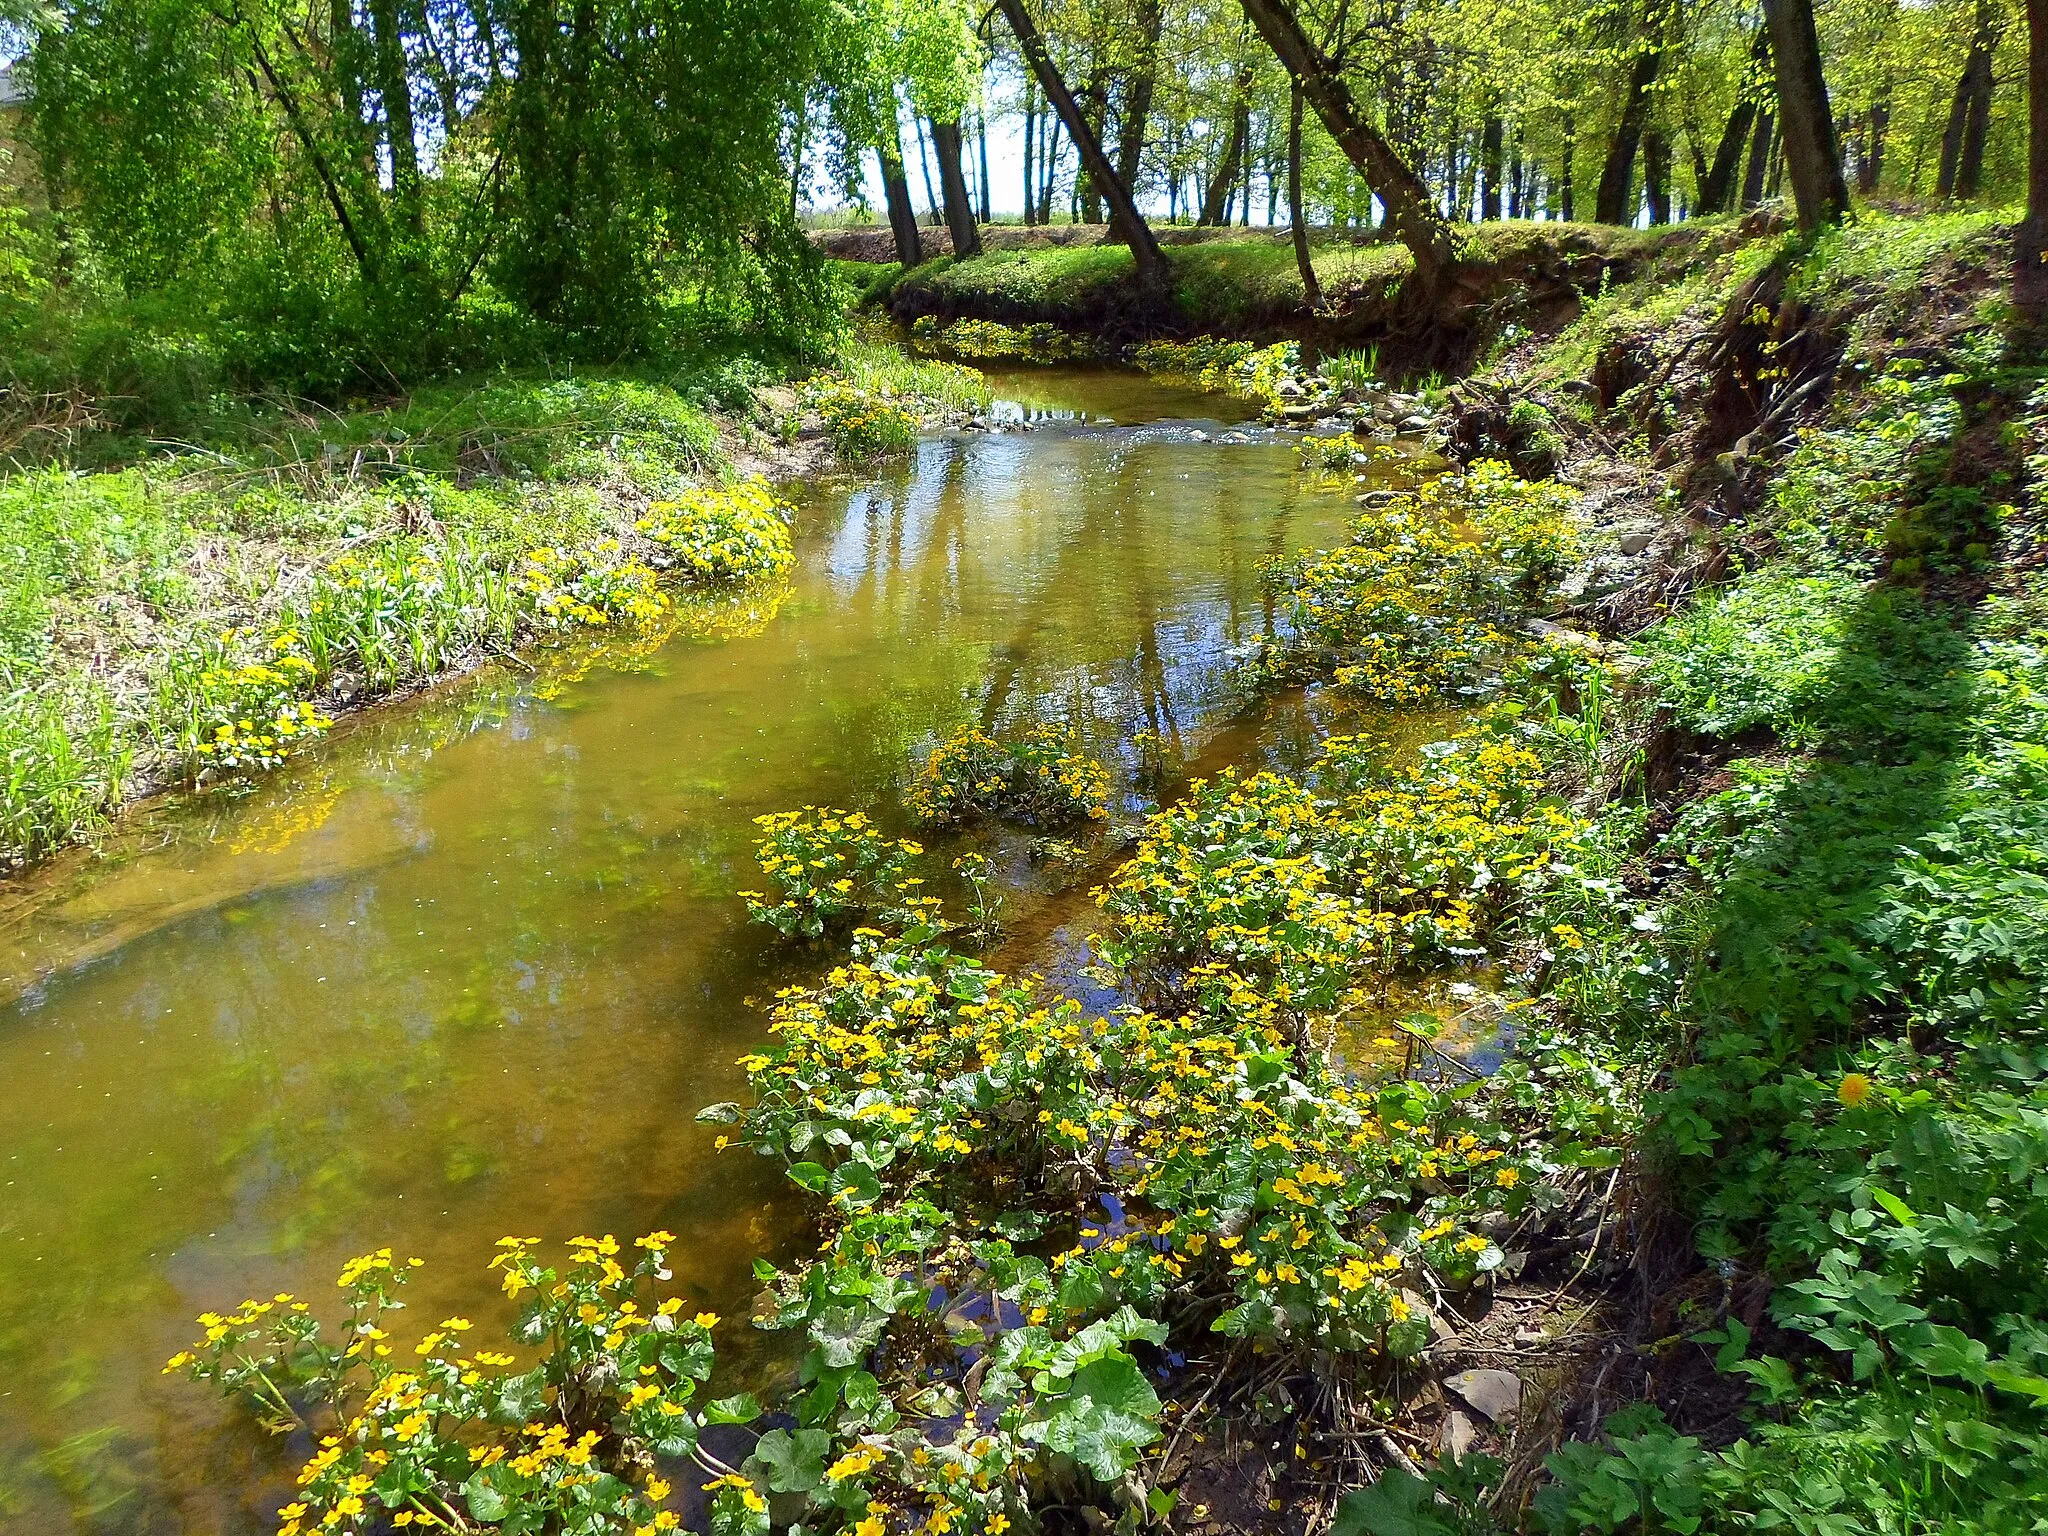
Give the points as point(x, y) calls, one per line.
point(1039, 343)
point(1410, 606)
point(1761, 653)
point(724, 535)
point(863, 424)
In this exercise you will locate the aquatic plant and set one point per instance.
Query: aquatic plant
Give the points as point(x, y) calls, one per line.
point(438, 1434)
point(829, 867)
point(1040, 778)
point(1414, 603)
point(592, 586)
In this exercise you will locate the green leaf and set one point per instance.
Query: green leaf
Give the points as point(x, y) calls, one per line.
point(810, 1176)
point(520, 1399)
point(1901, 1212)
point(741, 1409)
point(792, 1463)
point(490, 1493)
point(1399, 1504)
point(1105, 1418)
point(855, 1184)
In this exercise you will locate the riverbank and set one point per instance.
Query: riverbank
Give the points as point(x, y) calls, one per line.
point(1777, 1086)
point(190, 610)
point(1244, 286)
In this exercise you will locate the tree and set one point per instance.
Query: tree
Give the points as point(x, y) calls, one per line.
point(1806, 122)
point(1130, 224)
point(960, 219)
point(1717, 189)
point(1311, 287)
point(1969, 120)
point(1410, 208)
point(1617, 175)
point(2030, 243)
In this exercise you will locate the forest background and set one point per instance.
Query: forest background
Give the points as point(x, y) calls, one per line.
point(335, 199)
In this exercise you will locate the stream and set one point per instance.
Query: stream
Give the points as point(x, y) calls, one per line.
point(470, 966)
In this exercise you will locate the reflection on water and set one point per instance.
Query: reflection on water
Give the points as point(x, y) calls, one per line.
point(470, 966)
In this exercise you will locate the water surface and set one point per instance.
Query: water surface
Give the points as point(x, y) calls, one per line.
point(471, 966)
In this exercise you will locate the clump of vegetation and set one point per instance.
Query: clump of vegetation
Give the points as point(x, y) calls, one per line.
point(1311, 896)
point(441, 1435)
point(1413, 605)
point(1041, 778)
point(1038, 343)
point(864, 424)
point(1234, 367)
point(732, 534)
point(1329, 455)
point(830, 867)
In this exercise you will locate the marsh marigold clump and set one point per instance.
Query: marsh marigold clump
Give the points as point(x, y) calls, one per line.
point(1041, 777)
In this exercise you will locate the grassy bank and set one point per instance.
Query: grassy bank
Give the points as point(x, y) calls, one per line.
point(1250, 287)
point(185, 609)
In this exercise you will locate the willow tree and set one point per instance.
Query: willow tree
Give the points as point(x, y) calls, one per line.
point(368, 165)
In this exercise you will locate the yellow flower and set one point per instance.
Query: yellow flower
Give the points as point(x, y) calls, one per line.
point(1854, 1089)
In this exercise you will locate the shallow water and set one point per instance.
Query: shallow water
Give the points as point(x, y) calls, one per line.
point(470, 967)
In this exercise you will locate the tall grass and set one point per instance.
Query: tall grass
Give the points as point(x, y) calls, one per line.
point(62, 771)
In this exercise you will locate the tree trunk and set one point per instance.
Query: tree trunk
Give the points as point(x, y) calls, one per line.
point(1871, 166)
point(1244, 203)
point(953, 189)
point(1216, 201)
point(1517, 170)
point(1048, 162)
point(1095, 102)
point(1428, 237)
point(987, 205)
point(1970, 166)
point(1969, 111)
point(924, 167)
point(1717, 187)
point(1760, 143)
point(1030, 143)
point(1151, 261)
point(395, 95)
point(1311, 289)
point(1490, 144)
point(2030, 245)
point(1617, 177)
point(1807, 125)
point(896, 194)
point(1657, 176)
point(1138, 88)
point(1567, 181)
